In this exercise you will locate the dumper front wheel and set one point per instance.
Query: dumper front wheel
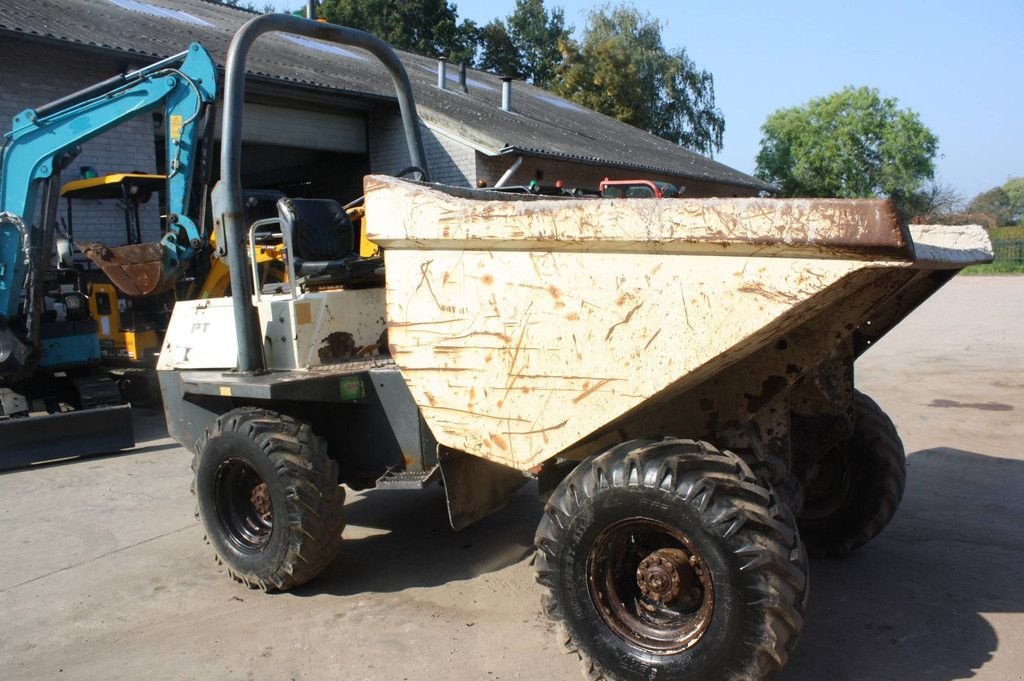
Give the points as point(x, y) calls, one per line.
point(670, 559)
point(855, 489)
point(268, 497)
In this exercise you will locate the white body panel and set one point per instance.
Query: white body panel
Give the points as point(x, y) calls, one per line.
point(312, 330)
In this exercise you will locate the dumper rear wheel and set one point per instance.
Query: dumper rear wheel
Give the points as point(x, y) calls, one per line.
point(268, 497)
point(855, 489)
point(670, 559)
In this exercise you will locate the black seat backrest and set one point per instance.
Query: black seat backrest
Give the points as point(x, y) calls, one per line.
point(320, 230)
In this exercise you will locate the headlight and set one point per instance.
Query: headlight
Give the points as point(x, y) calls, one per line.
point(73, 302)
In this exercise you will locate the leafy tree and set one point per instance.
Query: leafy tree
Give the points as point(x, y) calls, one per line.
point(1014, 188)
point(498, 54)
point(429, 27)
point(526, 43)
point(538, 33)
point(852, 143)
point(621, 68)
point(994, 202)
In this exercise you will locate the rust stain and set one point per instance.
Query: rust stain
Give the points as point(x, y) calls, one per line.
point(588, 391)
point(572, 316)
point(430, 398)
point(487, 279)
point(337, 347)
point(621, 300)
point(499, 442)
point(555, 292)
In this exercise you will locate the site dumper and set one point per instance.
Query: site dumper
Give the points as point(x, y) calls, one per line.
point(677, 375)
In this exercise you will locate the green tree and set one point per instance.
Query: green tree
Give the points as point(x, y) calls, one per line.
point(537, 33)
point(621, 68)
point(1014, 188)
point(429, 27)
point(996, 203)
point(498, 54)
point(526, 43)
point(852, 143)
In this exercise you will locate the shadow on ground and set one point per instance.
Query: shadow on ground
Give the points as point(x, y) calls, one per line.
point(416, 546)
point(908, 606)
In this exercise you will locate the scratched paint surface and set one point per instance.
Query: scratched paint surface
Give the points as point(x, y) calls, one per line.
point(523, 326)
point(514, 356)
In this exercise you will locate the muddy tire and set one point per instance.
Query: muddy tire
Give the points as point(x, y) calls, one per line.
point(268, 498)
point(670, 559)
point(855, 489)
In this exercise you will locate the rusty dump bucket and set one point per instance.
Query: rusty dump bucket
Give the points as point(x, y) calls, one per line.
point(534, 327)
point(137, 270)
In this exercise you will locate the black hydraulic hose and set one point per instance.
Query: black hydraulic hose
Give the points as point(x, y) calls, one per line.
point(105, 86)
point(81, 96)
point(250, 345)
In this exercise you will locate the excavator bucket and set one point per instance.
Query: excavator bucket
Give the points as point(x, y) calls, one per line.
point(137, 269)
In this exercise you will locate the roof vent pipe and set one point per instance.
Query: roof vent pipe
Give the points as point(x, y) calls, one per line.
point(462, 77)
point(442, 73)
point(506, 93)
point(311, 9)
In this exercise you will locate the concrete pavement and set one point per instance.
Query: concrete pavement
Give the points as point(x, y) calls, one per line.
point(104, 574)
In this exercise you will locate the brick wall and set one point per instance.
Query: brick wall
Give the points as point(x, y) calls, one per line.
point(34, 74)
point(450, 162)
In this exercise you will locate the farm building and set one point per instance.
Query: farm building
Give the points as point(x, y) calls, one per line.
point(320, 116)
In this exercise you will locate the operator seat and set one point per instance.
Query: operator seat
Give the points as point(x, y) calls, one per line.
point(321, 242)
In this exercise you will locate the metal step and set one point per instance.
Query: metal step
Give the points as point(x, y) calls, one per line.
point(408, 479)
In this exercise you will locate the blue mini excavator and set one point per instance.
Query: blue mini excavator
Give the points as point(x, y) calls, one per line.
point(55, 402)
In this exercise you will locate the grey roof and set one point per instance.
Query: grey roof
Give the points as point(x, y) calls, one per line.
point(540, 123)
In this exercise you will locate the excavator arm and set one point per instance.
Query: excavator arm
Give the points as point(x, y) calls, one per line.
point(184, 85)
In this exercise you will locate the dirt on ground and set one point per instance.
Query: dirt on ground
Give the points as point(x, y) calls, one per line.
point(104, 573)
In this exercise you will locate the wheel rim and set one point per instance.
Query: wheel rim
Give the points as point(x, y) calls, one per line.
point(243, 506)
point(828, 489)
point(650, 585)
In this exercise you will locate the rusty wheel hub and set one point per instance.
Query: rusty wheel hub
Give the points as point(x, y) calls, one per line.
point(650, 586)
point(260, 499)
point(664, 574)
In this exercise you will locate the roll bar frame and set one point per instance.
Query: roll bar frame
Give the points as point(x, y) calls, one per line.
point(250, 345)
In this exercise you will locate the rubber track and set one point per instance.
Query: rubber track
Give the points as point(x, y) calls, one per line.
point(315, 499)
point(751, 520)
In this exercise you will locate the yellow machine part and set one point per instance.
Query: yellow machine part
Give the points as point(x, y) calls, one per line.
point(367, 249)
point(218, 279)
point(117, 343)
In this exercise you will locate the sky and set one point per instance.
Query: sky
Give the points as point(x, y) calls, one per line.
point(959, 65)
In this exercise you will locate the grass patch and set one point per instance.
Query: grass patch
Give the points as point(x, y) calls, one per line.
point(1008, 245)
point(994, 268)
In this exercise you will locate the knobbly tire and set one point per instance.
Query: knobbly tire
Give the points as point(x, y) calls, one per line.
point(671, 560)
point(268, 498)
point(857, 487)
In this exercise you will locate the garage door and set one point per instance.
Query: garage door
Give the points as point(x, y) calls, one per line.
point(303, 129)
